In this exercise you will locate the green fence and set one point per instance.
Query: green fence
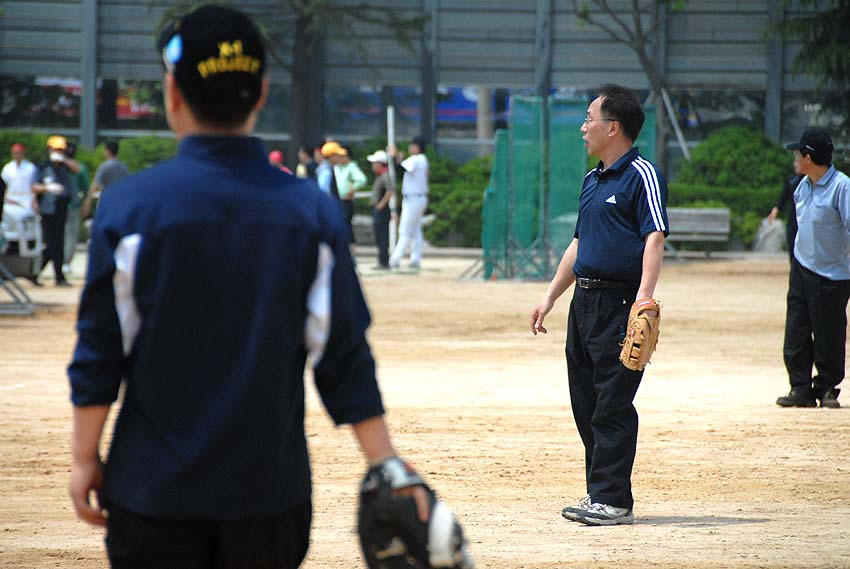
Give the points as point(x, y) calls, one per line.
point(531, 204)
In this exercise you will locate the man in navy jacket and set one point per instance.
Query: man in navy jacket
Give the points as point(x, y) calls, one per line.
point(213, 278)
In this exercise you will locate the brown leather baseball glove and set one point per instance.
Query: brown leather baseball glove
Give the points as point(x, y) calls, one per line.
point(641, 333)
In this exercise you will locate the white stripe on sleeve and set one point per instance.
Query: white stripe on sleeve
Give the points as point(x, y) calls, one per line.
point(126, 255)
point(318, 325)
point(653, 196)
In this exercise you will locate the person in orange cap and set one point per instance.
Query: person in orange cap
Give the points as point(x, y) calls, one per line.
point(53, 192)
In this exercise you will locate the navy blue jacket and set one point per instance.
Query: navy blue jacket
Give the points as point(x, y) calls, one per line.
point(617, 208)
point(211, 276)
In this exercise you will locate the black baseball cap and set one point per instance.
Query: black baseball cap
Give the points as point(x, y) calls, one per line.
point(216, 56)
point(816, 143)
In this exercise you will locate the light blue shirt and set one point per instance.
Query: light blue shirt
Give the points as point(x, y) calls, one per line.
point(823, 219)
point(324, 176)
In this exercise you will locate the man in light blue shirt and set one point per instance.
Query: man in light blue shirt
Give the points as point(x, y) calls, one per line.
point(819, 283)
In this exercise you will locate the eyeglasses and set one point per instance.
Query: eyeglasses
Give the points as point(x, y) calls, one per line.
point(588, 119)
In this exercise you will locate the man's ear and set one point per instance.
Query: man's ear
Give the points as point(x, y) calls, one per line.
point(173, 97)
point(613, 128)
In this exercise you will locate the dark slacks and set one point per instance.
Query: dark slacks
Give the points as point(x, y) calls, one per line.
point(815, 330)
point(602, 391)
point(134, 541)
point(348, 213)
point(53, 232)
point(381, 227)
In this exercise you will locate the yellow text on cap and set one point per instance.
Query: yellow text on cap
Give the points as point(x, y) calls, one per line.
point(230, 58)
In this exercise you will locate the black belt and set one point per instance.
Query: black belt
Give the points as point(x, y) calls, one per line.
point(583, 282)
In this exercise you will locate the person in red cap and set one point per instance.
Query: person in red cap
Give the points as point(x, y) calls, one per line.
point(19, 175)
point(276, 160)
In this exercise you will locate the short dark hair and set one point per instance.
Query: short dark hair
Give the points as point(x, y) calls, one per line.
point(111, 146)
point(217, 58)
point(420, 142)
point(622, 105)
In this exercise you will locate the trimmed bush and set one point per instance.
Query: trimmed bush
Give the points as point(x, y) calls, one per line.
point(143, 151)
point(457, 205)
point(738, 157)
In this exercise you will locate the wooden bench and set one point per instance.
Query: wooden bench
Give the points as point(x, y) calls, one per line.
point(697, 225)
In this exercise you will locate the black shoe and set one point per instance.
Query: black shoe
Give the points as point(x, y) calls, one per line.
point(63, 283)
point(830, 399)
point(797, 399)
point(34, 280)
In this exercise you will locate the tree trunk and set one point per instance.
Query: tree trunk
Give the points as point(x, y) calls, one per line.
point(307, 87)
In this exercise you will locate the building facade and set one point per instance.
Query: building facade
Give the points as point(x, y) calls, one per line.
point(88, 68)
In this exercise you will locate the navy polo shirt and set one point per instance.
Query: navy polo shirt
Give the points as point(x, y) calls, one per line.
point(618, 207)
point(211, 277)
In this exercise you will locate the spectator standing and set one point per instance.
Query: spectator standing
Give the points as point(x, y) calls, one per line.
point(349, 179)
point(79, 186)
point(276, 160)
point(414, 202)
point(787, 197)
point(19, 174)
point(819, 282)
point(112, 170)
point(306, 166)
point(382, 191)
point(325, 173)
point(53, 188)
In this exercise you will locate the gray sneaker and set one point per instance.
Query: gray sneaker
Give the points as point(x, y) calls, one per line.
point(605, 515)
point(574, 513)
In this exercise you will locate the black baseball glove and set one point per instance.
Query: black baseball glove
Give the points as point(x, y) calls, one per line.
point(391, 534)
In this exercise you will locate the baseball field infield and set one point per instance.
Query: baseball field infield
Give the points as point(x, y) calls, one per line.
point(723, 477)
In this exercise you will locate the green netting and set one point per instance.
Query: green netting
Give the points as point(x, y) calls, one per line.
point(525, 245)
point(567, 167)
point(646, 140)
point(531, 204)
point(494, 230)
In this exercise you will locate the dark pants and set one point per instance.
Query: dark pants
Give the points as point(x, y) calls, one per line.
point(134, 541)
point(348, 213)
point(381, 226)
point(815, 330)
point(53, 232)
point(791, 235)
point(602, 391)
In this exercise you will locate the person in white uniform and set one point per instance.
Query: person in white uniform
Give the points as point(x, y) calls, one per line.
point(414, 190)
point(19, 175)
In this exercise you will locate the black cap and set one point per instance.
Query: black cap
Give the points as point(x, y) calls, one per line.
point(216, 55)
point(816, 143)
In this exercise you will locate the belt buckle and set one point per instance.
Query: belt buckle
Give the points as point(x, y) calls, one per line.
point(584, 282)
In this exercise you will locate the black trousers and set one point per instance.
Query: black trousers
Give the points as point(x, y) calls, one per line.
point(53, 232)
point(381, 226)
point(134, 541)
point(602, 391)
point(815, 330)
point(348, 213)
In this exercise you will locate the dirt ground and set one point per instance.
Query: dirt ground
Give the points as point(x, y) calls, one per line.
point(723, 477)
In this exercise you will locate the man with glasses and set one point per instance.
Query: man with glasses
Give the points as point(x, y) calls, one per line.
point(615, 260)
point(819, 283)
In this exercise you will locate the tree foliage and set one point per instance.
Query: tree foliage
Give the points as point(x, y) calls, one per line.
point(823, 28)
point(738, 157)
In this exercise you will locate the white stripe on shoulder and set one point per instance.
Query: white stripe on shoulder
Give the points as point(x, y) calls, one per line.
point(126, 256)
point(318, 325)
point(653, 195)
point(657, 194)
point(589, 173)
